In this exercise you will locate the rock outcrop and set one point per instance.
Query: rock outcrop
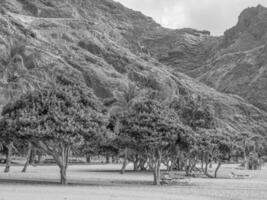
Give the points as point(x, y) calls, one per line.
point(234, 63)
point(250, 31)
point(240, 65)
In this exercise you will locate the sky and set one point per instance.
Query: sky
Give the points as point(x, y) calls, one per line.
point(213, 15)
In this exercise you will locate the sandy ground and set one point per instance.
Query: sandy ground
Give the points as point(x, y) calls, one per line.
point(103, 182)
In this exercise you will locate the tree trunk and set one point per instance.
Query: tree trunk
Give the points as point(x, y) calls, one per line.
point(32, 157)
point(142, 164)
point(113, 159)
point(156, 171)
point(123, 166)
point(124, 161)
point(61, 156)
point(206, 167)
point(29, 154)
point(236, 158)
point(178, 164)
point(39, 158)
point(217, 169)
point(8, 157)
point(169, 164)
point(202, 161)
point(245, 160)
point(180, 161)
point(107, 160)
point(88, 159)
point(193, 165)
point(187, 167)
point(206, 170)
point(206, 163)
point(63, 164)
point(210, 161)
point(63, 175)
point(156, 177)
point(135, 162)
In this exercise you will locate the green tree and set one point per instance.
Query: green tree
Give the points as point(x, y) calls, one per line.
point(17, 80)
point(7, 141)
point(55, 119)
point(152, 128)
point(196, 114)
point(216, 144)
point(124, 101)
point(251, 146)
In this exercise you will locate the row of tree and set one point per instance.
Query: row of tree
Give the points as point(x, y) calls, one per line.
point(146, 126)
point(69, 117)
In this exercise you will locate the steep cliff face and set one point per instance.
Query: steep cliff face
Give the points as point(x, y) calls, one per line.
point(234, 63)
point(250, 31)
point(105, 45)
point(240, 65)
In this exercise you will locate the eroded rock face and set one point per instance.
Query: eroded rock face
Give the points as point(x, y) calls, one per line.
point(250, 30)
point(105, 45)
point(234, 63)
point(242, 73)
point(240, 65)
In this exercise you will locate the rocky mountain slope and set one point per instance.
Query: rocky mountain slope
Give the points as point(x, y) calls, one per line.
point(105, 45)
point(235, 63)
point(240, 66)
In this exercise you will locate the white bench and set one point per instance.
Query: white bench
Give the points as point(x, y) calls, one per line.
point(239, 176)
point(171, 177)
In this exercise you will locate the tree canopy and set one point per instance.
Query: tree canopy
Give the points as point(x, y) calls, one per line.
point(151, 127)
point(56, 118)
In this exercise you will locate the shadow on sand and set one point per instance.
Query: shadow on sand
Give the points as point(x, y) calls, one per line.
point(102, 183)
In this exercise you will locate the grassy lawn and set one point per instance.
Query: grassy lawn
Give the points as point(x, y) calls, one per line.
point(105, 182)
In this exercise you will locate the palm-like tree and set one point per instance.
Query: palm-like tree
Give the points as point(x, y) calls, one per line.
point(125, 99)
point(17, 80)
point(124, 102)
point(249, 143)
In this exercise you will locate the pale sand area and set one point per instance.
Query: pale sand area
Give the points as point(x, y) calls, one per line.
point(101, 182)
